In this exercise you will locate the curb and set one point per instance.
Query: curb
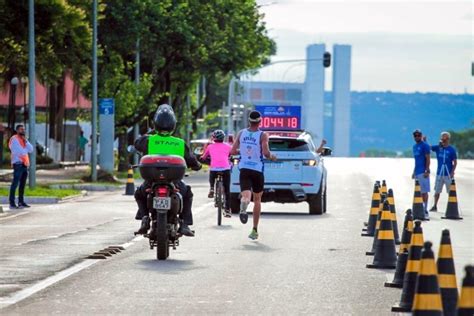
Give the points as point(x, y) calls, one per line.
point(88, 187)
point(44, 200)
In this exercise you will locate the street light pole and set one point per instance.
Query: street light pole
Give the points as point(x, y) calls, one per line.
point(94, 93)
point(230, 129)
point(136, 127)
point(32, 91)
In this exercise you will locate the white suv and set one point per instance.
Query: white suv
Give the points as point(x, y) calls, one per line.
point(298, 175)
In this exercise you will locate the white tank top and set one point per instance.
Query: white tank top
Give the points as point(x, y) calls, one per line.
point(251, 150)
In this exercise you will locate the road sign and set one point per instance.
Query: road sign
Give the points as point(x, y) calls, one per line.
point(281, 117)
point(106, 106)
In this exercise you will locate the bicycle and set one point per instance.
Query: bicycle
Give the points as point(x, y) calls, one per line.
point(219, 196)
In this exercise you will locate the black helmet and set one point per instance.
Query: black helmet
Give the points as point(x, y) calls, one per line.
point(218, 135)
point(164, 120)
point(255, 117)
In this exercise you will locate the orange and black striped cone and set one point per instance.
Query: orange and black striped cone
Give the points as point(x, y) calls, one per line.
point(384, 188)
point(407, 231)
point(466, 299)
point(427, 299)
point(374, 210)
point(376, 184)
point(402, 252)
point(377, 225)
point(452, 210)
point(411, 271)
point(385, 253)
point(399, 270)
point(447, 275)
point(130, 186)
point(393, 212)
point(418, 209)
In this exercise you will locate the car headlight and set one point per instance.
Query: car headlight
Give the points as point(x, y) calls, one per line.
point(310, 163)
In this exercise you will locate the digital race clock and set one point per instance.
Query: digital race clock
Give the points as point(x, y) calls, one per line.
point(279, 117)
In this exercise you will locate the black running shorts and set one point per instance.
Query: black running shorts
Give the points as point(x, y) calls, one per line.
point(251, 180)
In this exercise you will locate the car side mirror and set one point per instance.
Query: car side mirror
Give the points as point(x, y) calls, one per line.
point(326, 151)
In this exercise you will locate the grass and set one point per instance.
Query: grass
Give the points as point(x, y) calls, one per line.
point(124, 174)
point(43, 192)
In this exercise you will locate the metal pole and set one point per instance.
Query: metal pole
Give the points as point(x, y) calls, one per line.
point(94, 93)
point(32, 81)
point(136, 127)
point(223, 116)
point(229, 105)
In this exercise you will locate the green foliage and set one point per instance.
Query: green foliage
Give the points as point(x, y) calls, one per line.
point(63, 39)
point(44, 192)
point(463, 141)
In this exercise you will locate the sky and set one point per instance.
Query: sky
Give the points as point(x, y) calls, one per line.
point(403, 46)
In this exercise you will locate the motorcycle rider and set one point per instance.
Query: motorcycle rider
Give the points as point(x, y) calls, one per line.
point(160, 142)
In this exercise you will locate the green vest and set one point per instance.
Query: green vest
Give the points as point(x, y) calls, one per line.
point(165, 145)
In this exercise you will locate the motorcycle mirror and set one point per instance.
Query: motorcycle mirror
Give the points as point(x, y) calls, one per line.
point(131, 149)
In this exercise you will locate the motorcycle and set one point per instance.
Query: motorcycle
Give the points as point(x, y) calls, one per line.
point(164, 200)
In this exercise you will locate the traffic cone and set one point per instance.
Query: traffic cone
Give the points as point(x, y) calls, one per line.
point(411, 271)
point(374, 210)
point(447, 275)
point(427, 299)
point(376, 184)
point(466, 299)
point(385, 253)
point(418, 208)
point(393, 212)
point(377, 225)
point(407, 231)
point(399, 270)
point(384, 188)
point(452, 210)
point(130, 186)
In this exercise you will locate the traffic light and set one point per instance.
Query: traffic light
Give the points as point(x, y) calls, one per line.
point(327, 59)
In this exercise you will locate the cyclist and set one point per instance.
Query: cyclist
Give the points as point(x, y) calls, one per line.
point(219, 152)
point(252, 143)
point(160, 142)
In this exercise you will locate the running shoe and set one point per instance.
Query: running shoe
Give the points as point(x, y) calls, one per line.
point(211, 194)
point(243, 212)
point(253, 234)
point(434, 209)
point(227, 213)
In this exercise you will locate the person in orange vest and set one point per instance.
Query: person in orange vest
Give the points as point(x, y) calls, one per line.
point(20, 148)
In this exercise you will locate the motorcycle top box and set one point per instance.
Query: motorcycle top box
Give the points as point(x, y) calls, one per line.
point(157, 168)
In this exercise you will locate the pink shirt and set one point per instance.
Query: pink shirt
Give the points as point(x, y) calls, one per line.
point(220, 153)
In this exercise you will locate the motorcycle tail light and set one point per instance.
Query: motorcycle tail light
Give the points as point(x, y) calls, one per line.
point(162, 191)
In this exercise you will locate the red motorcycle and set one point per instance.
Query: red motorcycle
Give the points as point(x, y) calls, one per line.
point(163, 200)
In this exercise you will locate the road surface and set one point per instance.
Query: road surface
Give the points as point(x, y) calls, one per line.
point(300, 264)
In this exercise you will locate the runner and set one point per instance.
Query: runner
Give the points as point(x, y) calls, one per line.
point(220, 154)
point(252, 144)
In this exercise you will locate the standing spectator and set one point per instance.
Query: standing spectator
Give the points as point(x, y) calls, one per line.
point(82, 142)
point(20, 148)
point(447, 162)
point(421, 153)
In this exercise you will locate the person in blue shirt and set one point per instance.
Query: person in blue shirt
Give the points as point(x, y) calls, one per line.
point(447, 162)
point(421, 172)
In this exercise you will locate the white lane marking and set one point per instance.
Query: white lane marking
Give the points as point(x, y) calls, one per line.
point(4, 218)
point(59, 276)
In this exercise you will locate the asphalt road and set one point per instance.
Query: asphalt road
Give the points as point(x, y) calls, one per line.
point(300, 264)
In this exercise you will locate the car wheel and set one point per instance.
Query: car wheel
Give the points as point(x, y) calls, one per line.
point(234, 203)
point(316, 202)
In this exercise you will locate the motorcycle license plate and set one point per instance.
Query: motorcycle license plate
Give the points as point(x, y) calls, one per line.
point(162, 203)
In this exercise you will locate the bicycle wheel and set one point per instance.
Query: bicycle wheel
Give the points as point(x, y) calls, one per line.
point(219, 195)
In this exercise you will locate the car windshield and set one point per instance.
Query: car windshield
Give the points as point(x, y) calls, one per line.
point(288, 145)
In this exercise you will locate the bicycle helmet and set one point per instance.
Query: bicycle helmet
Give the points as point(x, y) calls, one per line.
point(218, 135)
point(255, 117)
point(164, 120)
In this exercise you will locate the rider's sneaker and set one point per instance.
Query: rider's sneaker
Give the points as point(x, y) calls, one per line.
point(253, 234)
point(211, 194)
point(145, 226)
point(185, 230)
point(243, 212)
point(434, 209)
point(227, 213)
